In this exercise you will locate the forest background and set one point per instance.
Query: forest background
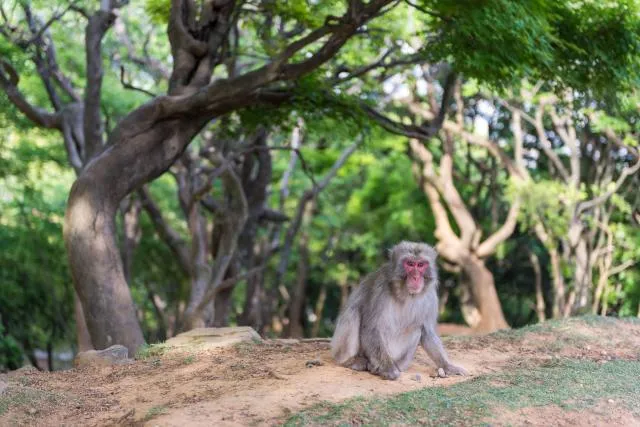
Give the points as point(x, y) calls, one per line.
point(247, 162)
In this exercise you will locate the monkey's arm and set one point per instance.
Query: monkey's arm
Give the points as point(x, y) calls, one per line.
point(432, 344)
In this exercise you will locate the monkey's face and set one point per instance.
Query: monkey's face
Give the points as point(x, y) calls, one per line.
point(415, 270)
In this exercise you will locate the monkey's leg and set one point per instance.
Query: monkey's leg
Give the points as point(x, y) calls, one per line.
point(405, 360)
point(433, 346)
point(375, 346)
point(345, 344)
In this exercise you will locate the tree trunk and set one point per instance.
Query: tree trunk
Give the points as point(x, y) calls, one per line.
point(295, 313)
point(50, 356)
point(319, 310)
point(89, 228)
point(82, 330)
point(582, 277)
point(222, 308)
point(483, 290)
point(223, 300)
point(559, 292)
point(251, 313)
point(540, 305)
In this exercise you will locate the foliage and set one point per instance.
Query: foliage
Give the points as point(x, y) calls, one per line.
point(36, 299)
point(11, 355)
point(375, 200)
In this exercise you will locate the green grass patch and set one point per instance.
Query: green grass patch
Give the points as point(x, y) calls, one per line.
point(27, 397)
point(154, 412)
point(189, 360)
point(148, 351)
point(569, 384)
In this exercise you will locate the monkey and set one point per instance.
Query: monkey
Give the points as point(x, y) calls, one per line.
point(389, 313)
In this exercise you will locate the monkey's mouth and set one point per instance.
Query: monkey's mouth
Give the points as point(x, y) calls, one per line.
point(415, 283)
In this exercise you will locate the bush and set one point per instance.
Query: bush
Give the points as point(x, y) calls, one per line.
point(11, 355)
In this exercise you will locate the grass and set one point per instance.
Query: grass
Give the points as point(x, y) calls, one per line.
point(27, 397)
point(148, 351)
point(568, 383)
point(154, 412)
point(189, 360)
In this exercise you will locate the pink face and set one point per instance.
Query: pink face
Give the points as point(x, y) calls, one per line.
point(415, 269)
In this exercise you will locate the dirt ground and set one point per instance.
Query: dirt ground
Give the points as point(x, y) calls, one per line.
point(260, 384)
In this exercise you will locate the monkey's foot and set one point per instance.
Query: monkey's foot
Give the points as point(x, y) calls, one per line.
point(388, 374)
point(358, 363)
point(451, 369)
point(393, 374)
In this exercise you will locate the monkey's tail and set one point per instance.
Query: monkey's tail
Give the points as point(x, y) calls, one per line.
point(345, 343)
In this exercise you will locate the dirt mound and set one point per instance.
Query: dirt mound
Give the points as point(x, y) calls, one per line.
point(262, 383)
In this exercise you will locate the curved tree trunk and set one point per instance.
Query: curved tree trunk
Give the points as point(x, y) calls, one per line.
point(90, 231)
point(483, 292)
point(82, 330)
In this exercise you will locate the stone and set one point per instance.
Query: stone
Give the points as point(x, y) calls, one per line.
point(284, 341)
point(314, 362)
point(214, 337)
point(114, 355)
point(441, 373)
point(3, 387)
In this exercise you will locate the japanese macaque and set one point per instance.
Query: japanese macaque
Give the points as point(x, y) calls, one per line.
point(389, 313)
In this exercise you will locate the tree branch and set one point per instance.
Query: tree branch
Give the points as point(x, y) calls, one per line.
point(589, 204)
point(306, 198)
point(171, 237)
point(488, 247)
point(99, 23)
point(9, 82)
point(128, 85)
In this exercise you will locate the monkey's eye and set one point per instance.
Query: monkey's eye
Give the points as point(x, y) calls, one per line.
point(420, 264)
point(411, 263)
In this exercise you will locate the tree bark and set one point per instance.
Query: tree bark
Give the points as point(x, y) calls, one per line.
point(82, 330)
point(540, 305)
point(483, 290)
point(582, 277)
point(295, 313)
point(147, 141)
point(89, 228)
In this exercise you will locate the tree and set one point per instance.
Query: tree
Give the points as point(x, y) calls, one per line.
point(207, 82)
point(589, 167)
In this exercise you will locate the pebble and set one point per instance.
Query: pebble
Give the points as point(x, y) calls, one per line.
point(417, 378)
point(314, 362)
point(441, 373)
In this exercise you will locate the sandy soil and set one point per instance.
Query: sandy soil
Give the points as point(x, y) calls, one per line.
point(259, 384)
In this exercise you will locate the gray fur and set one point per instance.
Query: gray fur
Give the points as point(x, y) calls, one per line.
point(382, 323)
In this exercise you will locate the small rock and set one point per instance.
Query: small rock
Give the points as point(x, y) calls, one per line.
point(611, 401)
point(314, 362)
point(441, 373)
point(32, 411)
point(114, 355)
point(3, 387)
point(285, 341)
point(214, 337)
point(417, 378)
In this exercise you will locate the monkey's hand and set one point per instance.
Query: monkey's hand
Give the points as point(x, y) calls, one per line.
point(451, 369)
